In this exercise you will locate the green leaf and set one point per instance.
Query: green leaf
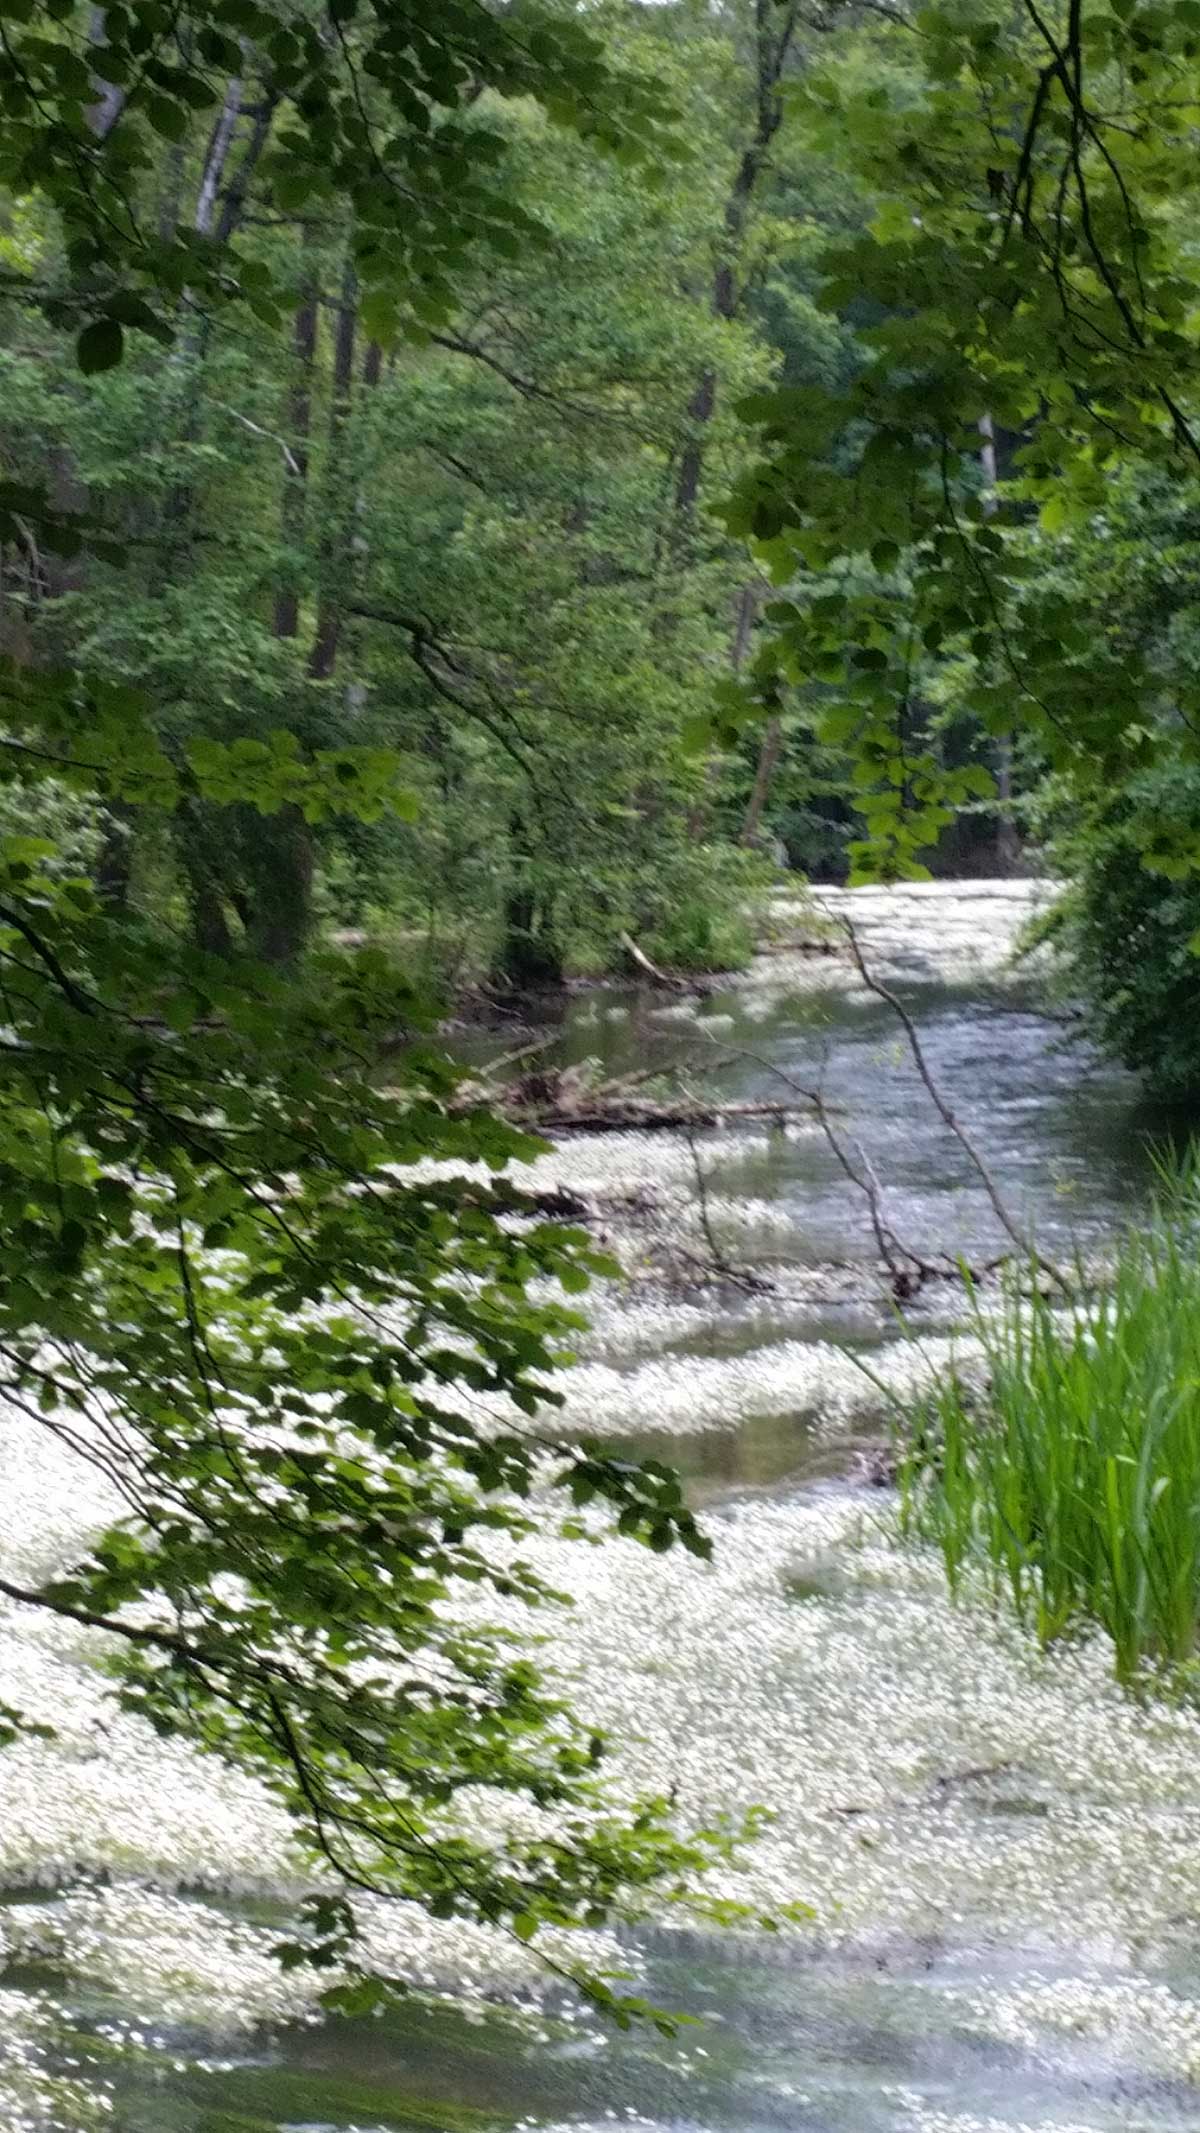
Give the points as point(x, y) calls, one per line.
point(100, 346)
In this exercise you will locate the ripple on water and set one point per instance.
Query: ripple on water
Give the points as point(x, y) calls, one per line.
point(934, 1782)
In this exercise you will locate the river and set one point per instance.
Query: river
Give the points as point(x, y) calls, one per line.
point(1001, 1854)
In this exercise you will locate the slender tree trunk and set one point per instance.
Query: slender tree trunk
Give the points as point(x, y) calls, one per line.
point(114, 863)
point(293, 509)
point(1008, 842)
point(337, 536)
point(771, 745)
point(109, 101)
point(188, 360)
point(280, 909)
point(236, 192)
point(220, 141)
point(774, 29)
point(356, 687)
point(768, 757)
point(530, 957)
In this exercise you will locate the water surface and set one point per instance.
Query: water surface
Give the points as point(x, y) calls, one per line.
point(1001, 1854)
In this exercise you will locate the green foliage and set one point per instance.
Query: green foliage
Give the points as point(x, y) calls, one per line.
point(459, 559)
point(216, 1284)
point(706, 902)
point(1072, 1482)
point(298, 579)
point(375, 113)
point(1023, 293)
point(1129, 927)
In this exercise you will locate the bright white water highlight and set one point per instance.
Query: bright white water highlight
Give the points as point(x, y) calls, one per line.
point(1002, 1842)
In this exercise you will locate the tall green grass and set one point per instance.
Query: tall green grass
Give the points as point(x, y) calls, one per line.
point(1072, 1478)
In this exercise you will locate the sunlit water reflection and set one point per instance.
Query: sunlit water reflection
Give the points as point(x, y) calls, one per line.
point(1002, 1855)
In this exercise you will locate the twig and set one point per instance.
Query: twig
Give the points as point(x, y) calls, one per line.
point(892, 1250)
point(743, 1276)
point(883, 992)
point(289, 457)
point(659, 977)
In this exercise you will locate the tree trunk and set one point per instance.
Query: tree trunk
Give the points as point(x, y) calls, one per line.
point(293, 508)
point(109, 101)
point(768, 756)
point(114, 863)
point(188, 359)
point(774, 29)
point(210, 926)
point(337, 532)
point(281, 910)
point(1008, 842)
point(530, 957)
point(233, 204)
point(219, 145)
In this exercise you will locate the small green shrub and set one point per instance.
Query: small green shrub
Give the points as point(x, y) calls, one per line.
point(1073, 1481)
point(1129, 925)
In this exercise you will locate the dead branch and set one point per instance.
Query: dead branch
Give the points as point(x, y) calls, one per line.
point(650, 970)
point(745, 1278)
point(907, 1268)
point(1023, 1243)
point(615, 1116)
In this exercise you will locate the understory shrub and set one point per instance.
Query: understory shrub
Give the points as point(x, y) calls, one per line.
point(1129, 927)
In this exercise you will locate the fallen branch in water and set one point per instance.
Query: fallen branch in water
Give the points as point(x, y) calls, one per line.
point(907, 1269)
point(642, 1116)
point(553, 1100)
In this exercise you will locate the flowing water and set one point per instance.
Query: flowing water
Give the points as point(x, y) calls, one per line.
point(999, 1851)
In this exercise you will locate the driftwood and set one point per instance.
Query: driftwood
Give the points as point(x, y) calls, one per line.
point(641, 1116)
point(556, 1100)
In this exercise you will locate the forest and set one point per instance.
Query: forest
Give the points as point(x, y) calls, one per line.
point(600, 1024)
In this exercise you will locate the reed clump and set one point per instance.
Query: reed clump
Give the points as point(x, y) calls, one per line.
point(1072, 1479)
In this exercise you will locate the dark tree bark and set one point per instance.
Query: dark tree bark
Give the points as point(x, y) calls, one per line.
point(234, 203)
point(771, 745)
point(280, 910)
point(293, 509)
point(210, 925)
point(774, 30)
point(530, 957)
point(1008, 842)
point(338, 528)
point(114, 865)
point(768, 758)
